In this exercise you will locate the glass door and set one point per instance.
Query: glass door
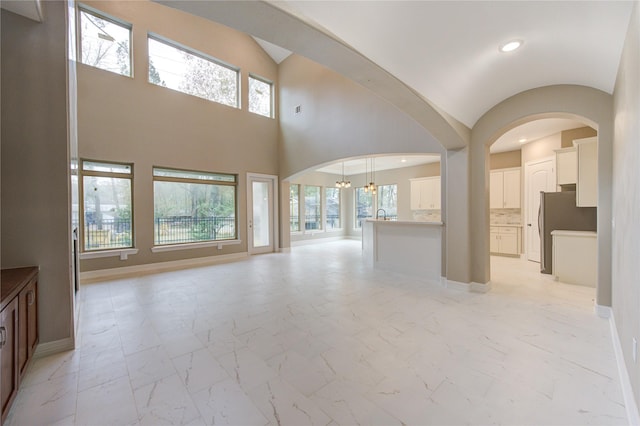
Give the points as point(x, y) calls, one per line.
point(261, 214)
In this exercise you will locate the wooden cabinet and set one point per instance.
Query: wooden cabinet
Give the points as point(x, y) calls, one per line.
point(504, 187)
point(28, 322)
point(19, 329)
point(567, 166)
point(505, 240)
point(587, 179)
point(425, 193)
point(9, 355)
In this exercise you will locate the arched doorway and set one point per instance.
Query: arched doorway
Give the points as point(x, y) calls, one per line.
point(591, 106)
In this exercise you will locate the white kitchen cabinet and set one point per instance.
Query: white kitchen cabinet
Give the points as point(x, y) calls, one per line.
point(575, 257)
point(425, 193)
point(504, 187)
point(567, 166)
point(587, 179)
point(504, 240)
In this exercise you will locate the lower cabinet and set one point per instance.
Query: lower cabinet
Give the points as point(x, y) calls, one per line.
point(28, 322)
point(9, 352)
point(504, 240)
point(18, 329)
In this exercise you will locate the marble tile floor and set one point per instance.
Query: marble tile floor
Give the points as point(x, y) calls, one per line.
point(316, 337)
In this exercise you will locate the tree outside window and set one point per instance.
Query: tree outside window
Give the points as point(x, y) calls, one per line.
point(104, 43)
point(294, 208)
point(312, 207)
point(363, 207)
point(388, 200)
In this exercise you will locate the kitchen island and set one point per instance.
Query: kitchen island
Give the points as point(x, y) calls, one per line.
point(409, 247)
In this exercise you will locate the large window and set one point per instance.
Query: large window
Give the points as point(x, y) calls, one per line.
point(192, 72)
point(107, 205)
point(260, 96)
point(312, 207)
point(333, 208)
point(294, 208)
point(193, 206)
point(388, 200)
point(364, 206)
point(104, 42)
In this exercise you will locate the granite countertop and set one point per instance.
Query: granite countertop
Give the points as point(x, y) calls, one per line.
point(518, 225)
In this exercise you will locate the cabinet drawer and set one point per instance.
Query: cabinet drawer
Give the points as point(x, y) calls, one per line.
point(508, 230)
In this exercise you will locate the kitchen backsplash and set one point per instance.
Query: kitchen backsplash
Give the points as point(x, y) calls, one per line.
point(427, 215)
point(505, 217)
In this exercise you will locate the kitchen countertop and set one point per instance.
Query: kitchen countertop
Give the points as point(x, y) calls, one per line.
point(405, 222)
point(515, 225)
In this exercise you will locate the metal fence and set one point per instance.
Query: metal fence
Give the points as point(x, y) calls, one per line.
point(107, 233)
point(186, 229)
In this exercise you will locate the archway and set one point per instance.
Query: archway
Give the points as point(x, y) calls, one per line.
point(592, 106)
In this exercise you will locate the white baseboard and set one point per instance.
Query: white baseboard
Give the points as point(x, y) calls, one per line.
point(603, 311)
point(318, 240)
point(456, 285)
point(50, 348)
point(633, 417)
point(284, 250)
point(480, 288)
point(153, 268)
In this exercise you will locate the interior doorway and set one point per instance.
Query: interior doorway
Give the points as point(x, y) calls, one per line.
point(539, 176)
point(262, 214)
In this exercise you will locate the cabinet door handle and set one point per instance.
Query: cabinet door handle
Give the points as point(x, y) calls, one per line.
point(3, 336)
point(30, 297)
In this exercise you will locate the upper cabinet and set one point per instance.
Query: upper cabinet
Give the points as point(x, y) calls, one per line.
point(567, 166)
point(504, 185)
point(425, 193)
point(587, 179)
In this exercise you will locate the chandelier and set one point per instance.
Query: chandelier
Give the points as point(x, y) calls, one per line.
point(343, 183)
point(371, 186)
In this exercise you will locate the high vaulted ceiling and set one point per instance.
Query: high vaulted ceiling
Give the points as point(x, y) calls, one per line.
point(448, 50)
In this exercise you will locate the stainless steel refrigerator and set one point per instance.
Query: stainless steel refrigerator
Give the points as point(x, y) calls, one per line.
point(558, 210)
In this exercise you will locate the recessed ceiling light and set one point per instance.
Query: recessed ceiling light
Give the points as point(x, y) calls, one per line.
point(522, 140)
point(511, 46)
point(404, 160)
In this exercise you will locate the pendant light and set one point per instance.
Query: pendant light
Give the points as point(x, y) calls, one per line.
point(343, 183)
point(371, 186)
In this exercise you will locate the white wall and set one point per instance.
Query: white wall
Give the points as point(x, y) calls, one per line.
point(626, 200)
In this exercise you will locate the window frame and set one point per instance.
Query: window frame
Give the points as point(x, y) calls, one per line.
point(326, 212)
point(81, 173)
point(321, 210)
point(200, 243)
point(80, 8)
point(355, 206)
point(378, 198)
point(299, 231)
point(271, 94)
point(194, 52)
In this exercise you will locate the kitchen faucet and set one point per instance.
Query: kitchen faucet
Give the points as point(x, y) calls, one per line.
point(383, 212)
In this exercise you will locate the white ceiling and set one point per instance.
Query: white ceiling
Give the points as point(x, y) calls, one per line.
point(448, 50)
point(384, 162)
point(31, 9)
point(532, 131)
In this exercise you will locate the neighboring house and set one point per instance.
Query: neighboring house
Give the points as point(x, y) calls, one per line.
point(127, 120)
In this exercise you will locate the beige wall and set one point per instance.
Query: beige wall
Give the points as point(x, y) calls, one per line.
point(338, 119)
point(626, 200)
point(35, 163)
point(564, 101)
point(505, 160)
point(581, 132)
point(130, 120)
